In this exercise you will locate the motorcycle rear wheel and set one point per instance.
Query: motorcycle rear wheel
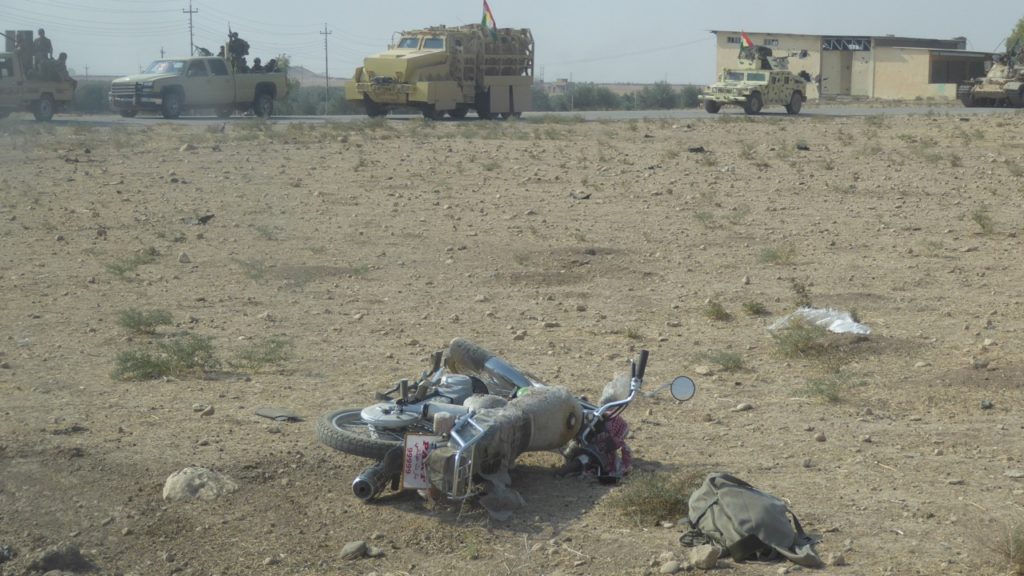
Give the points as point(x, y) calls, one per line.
point(346, 431)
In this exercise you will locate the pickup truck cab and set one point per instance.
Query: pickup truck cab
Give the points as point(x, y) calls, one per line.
point(40, 96)
point(171, 86)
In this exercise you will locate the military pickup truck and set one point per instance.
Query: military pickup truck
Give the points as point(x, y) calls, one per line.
point(40, 96)
point(172, 86)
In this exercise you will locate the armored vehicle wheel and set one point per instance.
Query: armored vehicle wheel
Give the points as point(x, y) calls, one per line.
point(506, 115)
point(43, 109)
point(753, 104)
point(712, 107)
point(430, 112)
point(795, 103)
point(1016, 98)
point(172, 105)
point(224, 112)
point(460, 111)
point(374, 110)
point(4, 114)
point(264, 105)
point(483, 106)
point(128, 113)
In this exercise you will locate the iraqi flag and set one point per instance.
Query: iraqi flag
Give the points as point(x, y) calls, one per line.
point(488, 20)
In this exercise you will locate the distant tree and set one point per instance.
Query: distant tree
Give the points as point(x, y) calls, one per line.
point(541, 99)
point(688, 96)
point(1016, 36)
point(91, 97)
point(658, 96)
point(587, 96)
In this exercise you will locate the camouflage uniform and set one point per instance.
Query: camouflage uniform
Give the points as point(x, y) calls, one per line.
point(238, 49)
point(42, 49)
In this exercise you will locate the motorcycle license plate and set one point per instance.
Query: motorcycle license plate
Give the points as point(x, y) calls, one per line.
point(414, 460)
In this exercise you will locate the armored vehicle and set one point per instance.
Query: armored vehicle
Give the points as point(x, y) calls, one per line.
point(757, 81)
point(1003, 85)
point(442, 70)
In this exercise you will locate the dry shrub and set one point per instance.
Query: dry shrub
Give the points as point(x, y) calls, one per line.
point(651, 497)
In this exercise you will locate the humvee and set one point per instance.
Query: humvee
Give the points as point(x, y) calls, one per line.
point(759, 80)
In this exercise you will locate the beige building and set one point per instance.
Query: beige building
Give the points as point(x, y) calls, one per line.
point(887, 67)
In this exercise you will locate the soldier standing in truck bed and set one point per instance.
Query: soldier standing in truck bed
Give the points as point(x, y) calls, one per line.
point(42, 49)
point(237, 51)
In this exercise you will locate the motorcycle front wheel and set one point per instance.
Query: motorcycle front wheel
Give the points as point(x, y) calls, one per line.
point(345, 430)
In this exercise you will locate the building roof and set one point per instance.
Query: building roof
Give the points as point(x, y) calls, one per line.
point(958, 43)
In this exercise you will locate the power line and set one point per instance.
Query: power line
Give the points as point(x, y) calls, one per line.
point(327, 72)
point(191, 38)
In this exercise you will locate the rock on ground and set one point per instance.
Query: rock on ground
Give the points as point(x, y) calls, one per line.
point(704, 556)
point(63, 556)
point(194, 483)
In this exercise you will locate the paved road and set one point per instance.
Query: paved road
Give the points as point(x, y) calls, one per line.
point(689, 114)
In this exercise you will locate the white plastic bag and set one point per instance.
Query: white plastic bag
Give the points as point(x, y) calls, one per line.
point(829, 318)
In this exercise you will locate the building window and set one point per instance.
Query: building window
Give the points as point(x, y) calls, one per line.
point(954, 70)
point(732, 39)
point(774, 42)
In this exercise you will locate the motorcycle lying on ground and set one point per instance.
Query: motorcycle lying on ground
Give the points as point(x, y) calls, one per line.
point(458, 428)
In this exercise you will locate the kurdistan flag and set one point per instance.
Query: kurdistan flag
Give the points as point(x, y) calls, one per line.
point(488, 20)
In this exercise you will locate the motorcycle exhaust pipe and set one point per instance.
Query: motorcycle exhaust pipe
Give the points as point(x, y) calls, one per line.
point(372, 481)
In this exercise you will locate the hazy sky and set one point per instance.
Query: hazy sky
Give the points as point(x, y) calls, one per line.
point(594, 40)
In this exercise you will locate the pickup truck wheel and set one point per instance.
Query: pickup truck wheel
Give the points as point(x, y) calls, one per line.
point(128, 113)
point(43, 109)
point(171, 108)
point(264, 105)
point(224, 112)
point(753, 104)
point(712, 107)
point(795, 103)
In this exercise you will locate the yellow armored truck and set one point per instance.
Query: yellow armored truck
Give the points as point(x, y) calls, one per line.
point(442, 70)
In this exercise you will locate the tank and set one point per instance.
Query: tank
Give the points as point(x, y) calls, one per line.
point(449, 71)
point(1002, 85)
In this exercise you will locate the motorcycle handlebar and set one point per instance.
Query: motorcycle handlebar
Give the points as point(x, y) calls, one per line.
point(465, 356)
point(641, 365)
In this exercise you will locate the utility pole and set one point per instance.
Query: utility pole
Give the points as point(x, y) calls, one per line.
point(86, 72)
point(191, 40)
point(327, 72)
point(161, 52)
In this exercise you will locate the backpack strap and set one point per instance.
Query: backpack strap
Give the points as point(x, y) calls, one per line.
point(801, 536)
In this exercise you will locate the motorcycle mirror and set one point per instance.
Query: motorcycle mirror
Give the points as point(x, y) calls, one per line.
point(682, 388)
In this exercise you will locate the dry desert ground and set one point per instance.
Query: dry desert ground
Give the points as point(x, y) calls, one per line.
point(340, 255)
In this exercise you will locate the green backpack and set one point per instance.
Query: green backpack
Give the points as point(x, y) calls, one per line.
point(747, 523)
